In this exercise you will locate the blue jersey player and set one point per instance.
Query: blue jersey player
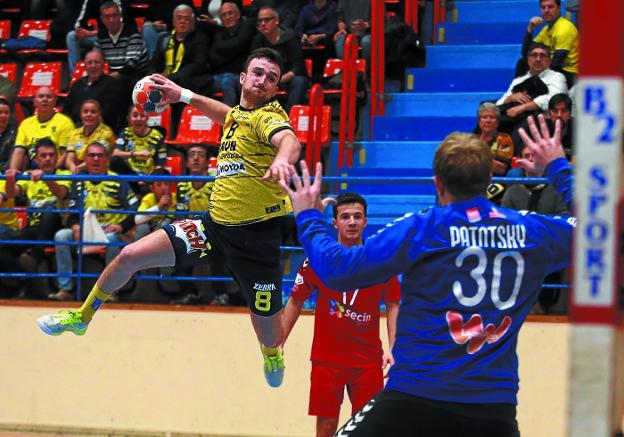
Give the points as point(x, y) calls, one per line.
point(471, 273)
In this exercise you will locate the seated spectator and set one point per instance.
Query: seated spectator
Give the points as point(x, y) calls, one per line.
point(45, 123)
point(8, 132)
point(316, 27)
point(122, 46)
point(288, 10)
point(354, 18)
point(8, 90)
point(158, 199)
point(500, 143)
point(559, 108)
point(96, 85)
point(41, 195)
point(286, 43)
point(158, 22)
point(8, 220)
point(559, 35)
point(529, 94)
point(208, 19)
point(92, 130)
point(139, 149)
point(63, 17)
point(83, 38)
point(98, 195)
point(228, 51)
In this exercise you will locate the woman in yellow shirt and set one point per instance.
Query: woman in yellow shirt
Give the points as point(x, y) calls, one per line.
point(92, 129)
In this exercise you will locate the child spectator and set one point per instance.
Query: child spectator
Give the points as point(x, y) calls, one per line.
point(158, 199)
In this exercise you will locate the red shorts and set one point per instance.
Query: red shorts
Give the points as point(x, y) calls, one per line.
point(327, 384)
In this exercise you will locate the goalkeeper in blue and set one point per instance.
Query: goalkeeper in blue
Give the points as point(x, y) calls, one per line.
point(471, 273)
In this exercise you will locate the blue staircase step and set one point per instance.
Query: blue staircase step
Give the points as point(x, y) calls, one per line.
point(483, 33)
point(395, 155)
point(453, 80)
point(406, 128)
point(496, 11)
point(383, 209)
point(459, 104)
point(485, 56)
point(387, 186)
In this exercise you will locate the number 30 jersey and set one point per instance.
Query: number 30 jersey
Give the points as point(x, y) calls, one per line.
point(471, 273)
point(239, 195)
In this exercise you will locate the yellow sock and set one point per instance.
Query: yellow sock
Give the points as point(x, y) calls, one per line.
point(94, 300)
point(270, 351)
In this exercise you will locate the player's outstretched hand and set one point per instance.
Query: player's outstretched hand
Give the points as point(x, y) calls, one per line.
point(171, 90)
point(543, 147)
point(280, 169)
point(306, 195)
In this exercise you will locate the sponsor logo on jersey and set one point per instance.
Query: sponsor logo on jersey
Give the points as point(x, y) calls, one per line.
point(228, 146)
point(272, 209)
point(473, 332)
point(191, 232)
point(473, 215)
point(495, 213)
point(264, 287)
point(339, 310)
point(230, 168)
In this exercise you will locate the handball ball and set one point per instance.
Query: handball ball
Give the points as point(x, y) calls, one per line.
point(148, 99)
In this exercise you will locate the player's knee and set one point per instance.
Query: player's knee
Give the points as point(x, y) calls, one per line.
point(130, 257)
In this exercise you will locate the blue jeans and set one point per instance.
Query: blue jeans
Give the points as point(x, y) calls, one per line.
point(151, 36)
point(74, 47)
point(64, 258)
point(229, 85)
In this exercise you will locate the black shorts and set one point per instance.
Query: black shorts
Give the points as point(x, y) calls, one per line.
point(398, 414)
point(250, 252)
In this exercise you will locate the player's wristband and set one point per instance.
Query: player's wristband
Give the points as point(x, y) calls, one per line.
point(186, 95)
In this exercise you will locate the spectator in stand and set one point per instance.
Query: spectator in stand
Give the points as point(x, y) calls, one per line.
point(158, 199)
point(288, 10)
point(559, 108)
point(530, 94)
point(181, 55)
point(158, 22)
point(122, 46)
point(346, 349)
point(208, 16)
point(560, 35)
point(40, 195)
point(83, 38)
point(96, 85)
point(98, 195)
point(8, 132)
point(66, 12)
point(500, 143)
point(354, 18)
point(8, 220)
point(140, 149)
point(45, 123)
point(228, 51)
point(316, 27)
point(286, 43)
point(93, 129)
point(8, 90)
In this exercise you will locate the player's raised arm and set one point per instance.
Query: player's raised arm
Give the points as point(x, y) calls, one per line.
point(174, 93)
point(288, 151)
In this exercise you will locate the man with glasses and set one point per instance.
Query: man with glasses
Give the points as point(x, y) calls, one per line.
point(98, 195)
point(287, 44)
point(529, 94)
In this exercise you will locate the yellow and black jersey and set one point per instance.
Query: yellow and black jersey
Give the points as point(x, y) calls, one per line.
point(59, 128)
point(239, 196)
point(78, 141)
point(40, 196)
point(7, 218)
point(129, 141)
point(189, 198)
point(562, 35)
point(149, 201)
point(102, 195)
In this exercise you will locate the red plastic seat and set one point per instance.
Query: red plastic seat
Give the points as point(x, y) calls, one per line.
point(9, 71)
point(5, 29)
point(161, 120)
point(308, 66)
point(38, 74)
point(174, 166)
point(37, 29)
point(333, 66)
point(139, 23)
point(300, 120)
point(196, 128)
